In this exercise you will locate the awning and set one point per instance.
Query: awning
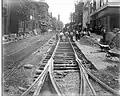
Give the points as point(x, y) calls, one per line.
point(108, 10)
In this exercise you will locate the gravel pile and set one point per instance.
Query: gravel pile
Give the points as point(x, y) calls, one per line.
point(70, 84)
point(109, 36)
point(88, 91)
point(114, 70)
point(87, 41)
point(99, 90)
point(116, 40)
point(20, 78)
point(107, 79)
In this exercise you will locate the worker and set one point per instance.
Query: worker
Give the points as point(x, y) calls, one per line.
point(61, 36)
point(67, 35)
point(71, 36)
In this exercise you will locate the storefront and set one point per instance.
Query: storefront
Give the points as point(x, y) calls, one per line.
point(109, 17)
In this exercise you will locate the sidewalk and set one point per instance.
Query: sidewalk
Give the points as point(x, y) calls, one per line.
point(95, 37)
point(92, 53)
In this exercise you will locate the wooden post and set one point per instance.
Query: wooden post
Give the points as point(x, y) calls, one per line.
point(8, 17)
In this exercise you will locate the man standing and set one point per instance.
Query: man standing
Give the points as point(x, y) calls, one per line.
point(77, 35)
point(61, 36)
point(67, 35)
point(71, 36)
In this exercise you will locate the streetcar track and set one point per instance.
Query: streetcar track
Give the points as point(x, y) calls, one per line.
point(28, 44)
point(102, 84)
point(9, 72)
point(58, 65)
point(16, 64)
point(41, 75)
point(84, 79)
point(40, 41)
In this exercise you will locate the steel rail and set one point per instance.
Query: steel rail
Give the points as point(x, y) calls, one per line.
point(100, 82)
point(40, 80)
point(59, 92)
point(81, 83)
point(95, 78)
point(84, 76)
point(86, 79)
point(49, 69)
point(50, 62)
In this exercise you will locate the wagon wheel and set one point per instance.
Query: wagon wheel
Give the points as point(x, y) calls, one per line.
point(107, 56)
point(112, 45)
point(117, 58)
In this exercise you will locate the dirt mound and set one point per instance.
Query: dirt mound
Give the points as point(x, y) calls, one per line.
point(108, 37)
point(116, 41)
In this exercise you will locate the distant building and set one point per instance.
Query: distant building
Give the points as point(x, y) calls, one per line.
point(20, 16)
point(103, 12)
point(78, 14)
point(106, 12)
point(86, 13)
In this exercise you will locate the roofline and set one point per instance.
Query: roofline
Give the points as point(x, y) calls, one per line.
point(109, 4)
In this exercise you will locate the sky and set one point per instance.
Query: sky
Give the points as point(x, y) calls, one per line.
point(61, 7)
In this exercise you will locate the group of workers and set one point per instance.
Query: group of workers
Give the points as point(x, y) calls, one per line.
point(64, 36)
point(73, 35)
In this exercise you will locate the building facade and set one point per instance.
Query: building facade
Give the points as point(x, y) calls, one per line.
point(86, 13)
point(106, 13)
point(78, 14)
point(102, 12)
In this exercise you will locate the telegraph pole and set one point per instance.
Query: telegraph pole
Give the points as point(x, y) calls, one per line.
point(89, 12)
point(8, 16)
point(58, 17)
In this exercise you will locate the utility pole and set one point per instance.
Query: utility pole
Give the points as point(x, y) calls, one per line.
point(71, 17)
point(8, 16)
point(58, 17)
point(89, 11)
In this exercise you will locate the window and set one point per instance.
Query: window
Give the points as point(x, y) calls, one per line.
point(91, 8)
point(94, 5)
point(103, 2)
